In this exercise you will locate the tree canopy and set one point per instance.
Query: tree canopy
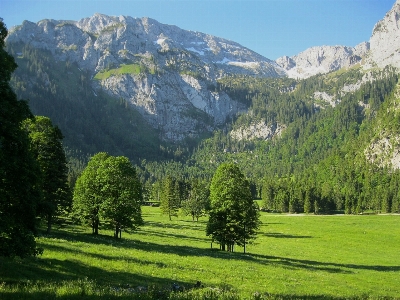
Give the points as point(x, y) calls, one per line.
point(234, 216)
point(46, 146)
point(19, 184)
point(108, 189)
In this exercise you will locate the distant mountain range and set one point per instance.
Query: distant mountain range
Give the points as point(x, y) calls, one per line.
point(172, 76)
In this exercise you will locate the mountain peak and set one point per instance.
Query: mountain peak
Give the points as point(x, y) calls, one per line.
point(385, 39)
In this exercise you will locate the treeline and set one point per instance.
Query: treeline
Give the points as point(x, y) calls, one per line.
point(334, 187)
point(91, 120)
point(311, 166)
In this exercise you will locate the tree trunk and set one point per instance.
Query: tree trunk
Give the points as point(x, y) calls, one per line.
point(48, 223)
point(116, 231)
point(95, 226)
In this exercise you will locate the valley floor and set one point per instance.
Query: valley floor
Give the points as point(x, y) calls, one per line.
point(332, 257)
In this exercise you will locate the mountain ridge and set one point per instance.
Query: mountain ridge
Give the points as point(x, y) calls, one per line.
point(172, 76)
point(172, 64)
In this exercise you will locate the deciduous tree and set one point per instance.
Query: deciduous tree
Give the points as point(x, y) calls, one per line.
point(121, 194)
point(234, 216)
point(109, 189)
point(198, 200)
point(87, 198)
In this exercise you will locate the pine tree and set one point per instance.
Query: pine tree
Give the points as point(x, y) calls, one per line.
point(169, 198)
point(46, 146)
point(19, 183)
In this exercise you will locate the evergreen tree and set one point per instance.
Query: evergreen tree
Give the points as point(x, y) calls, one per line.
point(47, 148)
point(19, 184)
point(169, 198)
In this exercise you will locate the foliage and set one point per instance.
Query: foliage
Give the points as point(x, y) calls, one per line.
point(87, 200)
point(234, 216)
point(90, 120)
point(19, 183)
point(46, 146)
point(170, 200)
point(297, 162)
point(121, 194)
point(109, 189)
point(198, 200)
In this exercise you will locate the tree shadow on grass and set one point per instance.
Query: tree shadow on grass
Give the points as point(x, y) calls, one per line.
point(187, 251)
point(286, 236)
point(56, 270)
point(178, 236)
point(174, 226)
point(324, 266)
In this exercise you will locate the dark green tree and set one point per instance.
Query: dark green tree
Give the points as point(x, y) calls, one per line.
point(19, 183)
point(198, 201)
point(109, 189)
point(121, 194)
point(87, 199)
point(46, 146)
point(169, 198)
point(234, 216)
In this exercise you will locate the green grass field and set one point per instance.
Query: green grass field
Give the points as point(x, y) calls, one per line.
point(330, 257)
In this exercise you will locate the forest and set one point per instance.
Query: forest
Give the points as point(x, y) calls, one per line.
point(315, 166)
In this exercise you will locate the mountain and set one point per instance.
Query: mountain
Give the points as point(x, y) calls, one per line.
point(385, 39)
point(167, 74)
point(321, 126)
point(323, 59)
point(127, 76)
point(382, 49)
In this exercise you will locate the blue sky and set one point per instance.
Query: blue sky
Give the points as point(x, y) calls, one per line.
point(270, 27)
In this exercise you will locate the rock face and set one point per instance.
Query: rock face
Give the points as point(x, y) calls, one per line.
point(385, 39)
point(257, 130)
point(382, 50)
point(173, 71)
point(322, 59)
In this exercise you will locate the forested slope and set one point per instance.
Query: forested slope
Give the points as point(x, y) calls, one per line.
point(318, 162)
point(318, 139)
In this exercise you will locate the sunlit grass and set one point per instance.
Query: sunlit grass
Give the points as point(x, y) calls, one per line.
point(124, 69)
point(300, 256)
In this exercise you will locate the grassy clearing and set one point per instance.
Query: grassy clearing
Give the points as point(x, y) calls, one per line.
point(331, 257)
point(124, 69)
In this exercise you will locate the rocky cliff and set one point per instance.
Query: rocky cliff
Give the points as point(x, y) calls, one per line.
point(168, 74)
point(382, 49)
point(385, 39)
point(322, 59)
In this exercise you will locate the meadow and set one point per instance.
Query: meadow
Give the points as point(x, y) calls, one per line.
point(294, 256)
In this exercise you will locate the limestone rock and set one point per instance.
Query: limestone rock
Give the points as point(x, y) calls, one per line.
point(385, 39)
point(320, 60)
point(177, 68)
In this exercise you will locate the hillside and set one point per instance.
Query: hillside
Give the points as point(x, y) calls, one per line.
point(165, 73)
point(179, 103)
